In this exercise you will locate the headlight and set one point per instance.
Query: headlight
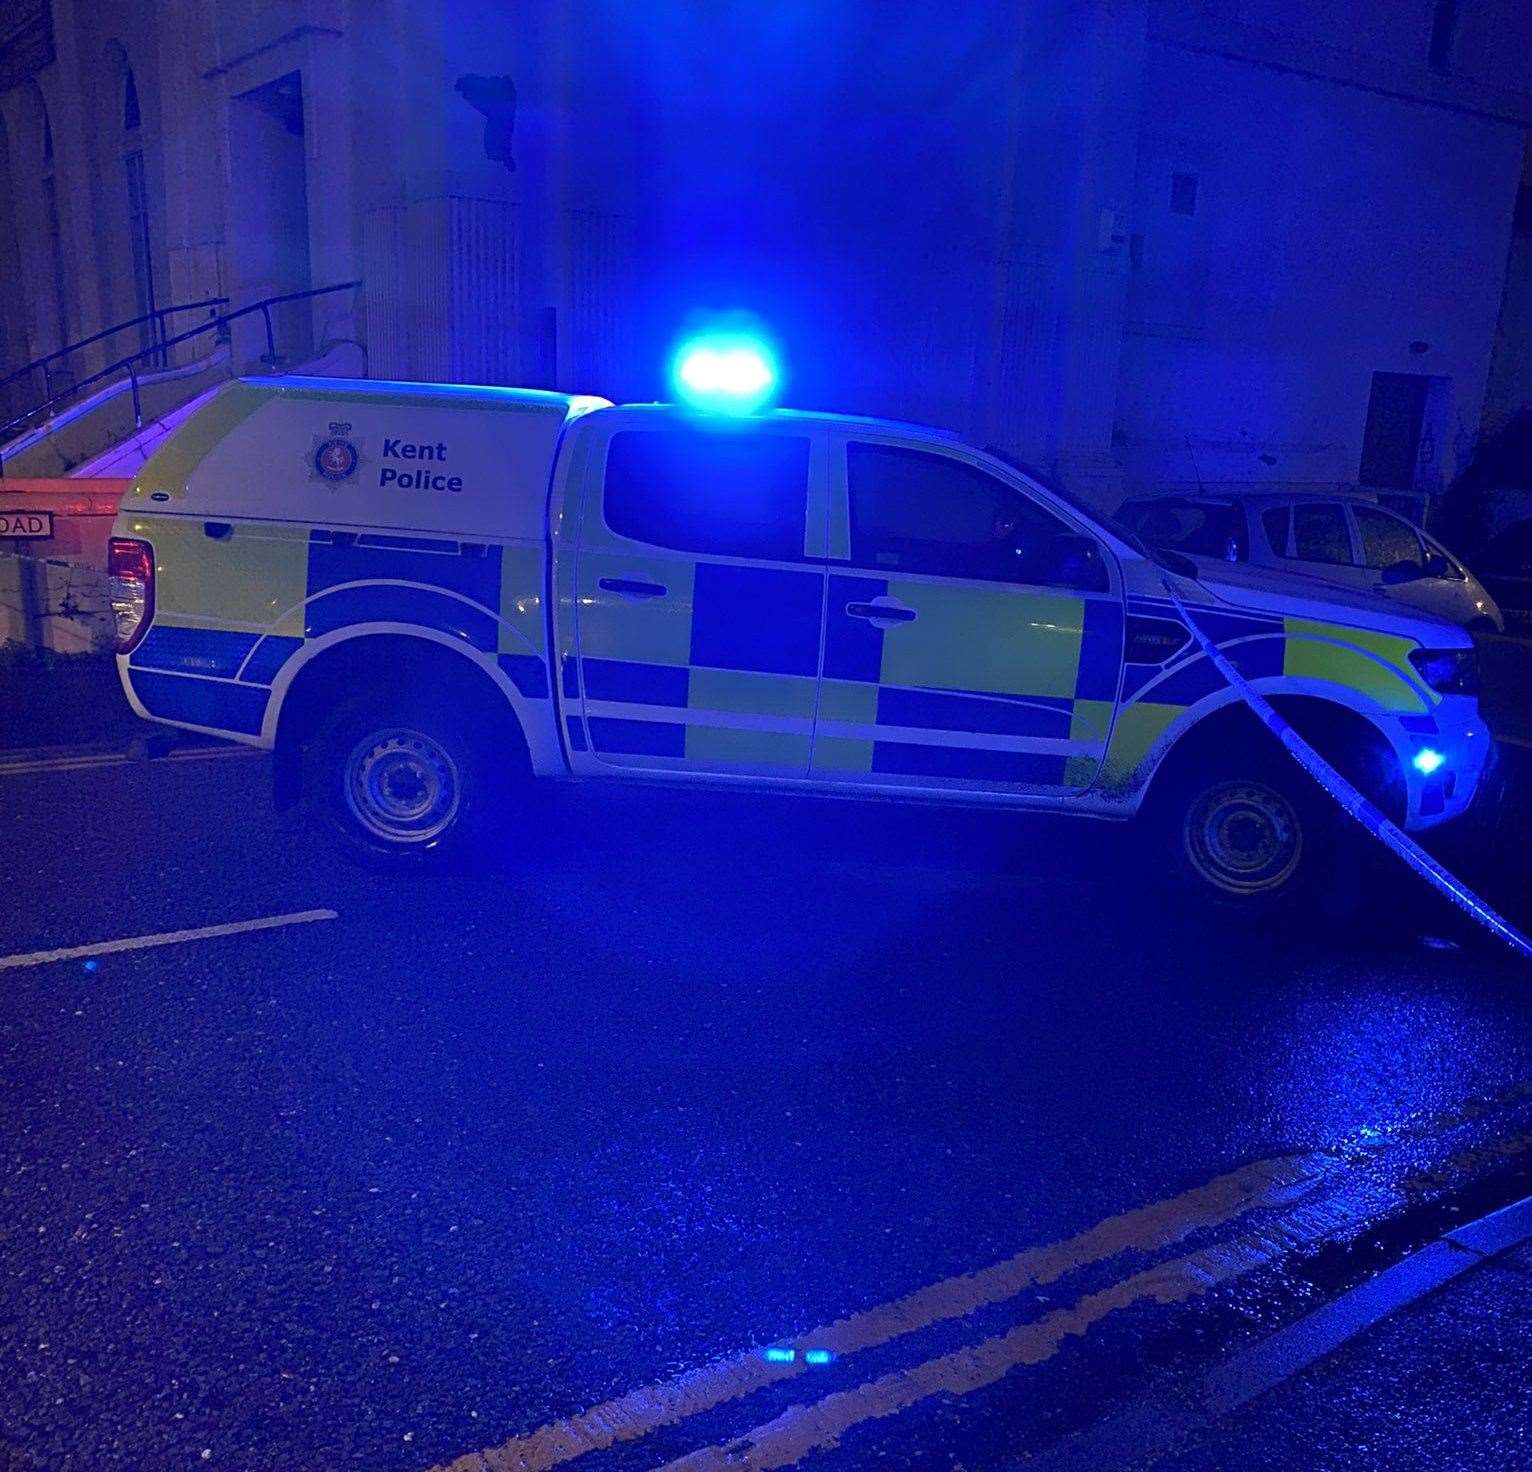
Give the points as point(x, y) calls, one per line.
point(1448, 671)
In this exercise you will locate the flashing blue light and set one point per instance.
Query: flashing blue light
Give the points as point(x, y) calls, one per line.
point(779, 1356)
point(816, 1356)
point(725, 373)
point(1427, 760)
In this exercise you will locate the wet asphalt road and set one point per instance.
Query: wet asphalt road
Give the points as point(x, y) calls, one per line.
point(682, 1076)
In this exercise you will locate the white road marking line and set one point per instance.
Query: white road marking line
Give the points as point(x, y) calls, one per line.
point(209, 753)
point(64, 764)
point(121, 759)
point(165, 938)
point(1266, 1183)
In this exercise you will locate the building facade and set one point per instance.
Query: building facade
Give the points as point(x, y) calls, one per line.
point(1136, 243)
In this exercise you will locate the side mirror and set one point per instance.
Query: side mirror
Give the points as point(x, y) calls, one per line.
point(1437, 566)
point(1403, 572)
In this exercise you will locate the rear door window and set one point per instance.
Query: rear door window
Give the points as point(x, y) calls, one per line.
point(720, 492)
point(1320, 534)
point(1385, 539)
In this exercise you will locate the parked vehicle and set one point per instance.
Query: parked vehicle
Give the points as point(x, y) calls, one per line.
point(1347, 540)
point(1506, 563)
point(418, 595)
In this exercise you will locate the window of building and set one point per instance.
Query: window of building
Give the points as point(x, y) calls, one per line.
point(1183, 194)
point(1386, 540)
point(916, 512)
point(131, 116)
point(719, 492)
point(1521, 219)
point(1444, 34)
point(1319, 533)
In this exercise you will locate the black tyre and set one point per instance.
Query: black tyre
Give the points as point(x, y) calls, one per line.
point(1253, 831)
point(402, 784)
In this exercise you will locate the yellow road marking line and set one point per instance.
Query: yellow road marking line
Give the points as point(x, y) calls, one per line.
point(802, 1429)
point(165, 938)
point(1265, 1183)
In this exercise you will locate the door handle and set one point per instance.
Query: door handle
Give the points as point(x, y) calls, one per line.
point(632, 588)
point(219, 531)
point(884, 615)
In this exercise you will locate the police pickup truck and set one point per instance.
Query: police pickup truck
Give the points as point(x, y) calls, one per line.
point(418, 596)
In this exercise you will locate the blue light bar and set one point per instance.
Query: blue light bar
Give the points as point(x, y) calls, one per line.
point(725, 373)
point(779, 1356)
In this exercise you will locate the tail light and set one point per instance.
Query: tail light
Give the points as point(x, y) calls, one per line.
point(130, 568)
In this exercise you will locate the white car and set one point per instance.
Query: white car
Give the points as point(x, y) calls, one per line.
point(1348, 540)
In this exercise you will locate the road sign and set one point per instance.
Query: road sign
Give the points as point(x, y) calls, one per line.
point(26, 523)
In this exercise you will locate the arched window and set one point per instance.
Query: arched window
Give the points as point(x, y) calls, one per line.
point(53, 232)
point(131, 116)
point(122, 131)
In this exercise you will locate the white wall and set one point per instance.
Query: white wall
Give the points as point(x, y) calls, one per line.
point(1333, 227)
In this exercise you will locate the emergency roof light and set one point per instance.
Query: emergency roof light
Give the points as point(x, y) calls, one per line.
point(725, 373)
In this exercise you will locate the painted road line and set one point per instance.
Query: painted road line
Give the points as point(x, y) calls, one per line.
point(802, 1429)
point(1295, 1348)
point(64, 763)
point(1281, 1181)
point(1170, 1419)
point(81, 762)
point(208, 753)
point(165, 938)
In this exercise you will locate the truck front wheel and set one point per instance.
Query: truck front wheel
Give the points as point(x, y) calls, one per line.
point(1254, 833)
point(400, 783)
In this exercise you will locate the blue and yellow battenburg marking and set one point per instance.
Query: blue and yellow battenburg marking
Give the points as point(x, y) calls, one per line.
point(723, 670)
point(1260, 646)
point(985, 685)
point(230, 613)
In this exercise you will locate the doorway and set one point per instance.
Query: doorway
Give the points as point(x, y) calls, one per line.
point(1408, 415)
point(269, 220)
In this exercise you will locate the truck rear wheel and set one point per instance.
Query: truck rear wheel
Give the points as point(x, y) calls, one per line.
point(401, 784)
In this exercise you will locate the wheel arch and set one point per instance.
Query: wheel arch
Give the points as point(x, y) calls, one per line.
point(373, 655)
point(1345, 735)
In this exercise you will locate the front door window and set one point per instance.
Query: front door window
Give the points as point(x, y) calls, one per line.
point(972, 642)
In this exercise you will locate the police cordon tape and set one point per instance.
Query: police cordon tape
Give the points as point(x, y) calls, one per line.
point(1376, 822)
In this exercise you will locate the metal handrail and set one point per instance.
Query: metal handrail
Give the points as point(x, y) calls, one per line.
point(218, 324)
point(157, 316)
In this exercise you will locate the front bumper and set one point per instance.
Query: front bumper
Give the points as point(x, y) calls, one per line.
point(1463, 743)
